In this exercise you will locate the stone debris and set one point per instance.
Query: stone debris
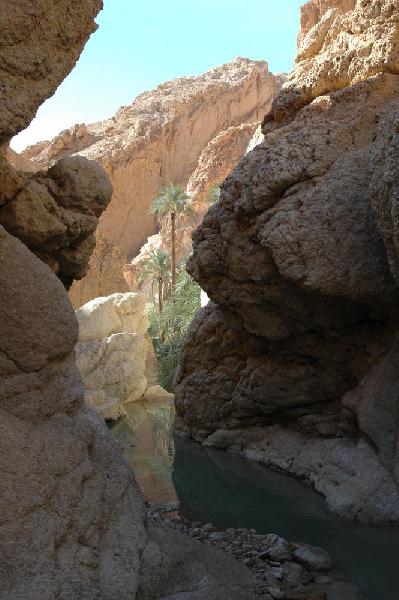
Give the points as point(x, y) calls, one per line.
point(282, 570)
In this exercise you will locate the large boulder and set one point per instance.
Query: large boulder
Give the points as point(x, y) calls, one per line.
point(56, 213)
point(112, 350)
point(300, 260)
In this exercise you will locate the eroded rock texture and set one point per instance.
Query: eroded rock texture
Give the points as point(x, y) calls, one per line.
point(104, 273)
point(158, 140)
point(72, 519)
point(219, 157)
point(55, 213)
point(300, 259)
point(111, 352)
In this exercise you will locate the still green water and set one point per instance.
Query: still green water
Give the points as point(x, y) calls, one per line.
point(214, 486)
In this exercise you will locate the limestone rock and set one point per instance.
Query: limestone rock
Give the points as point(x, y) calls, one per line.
point(343, 42)
point(118, 313)
point(19, 162)
point(216, 161)
point(56, 213)
point(158, 140)
point(312, 558)
point(191, 571)
point(42, 42)
point(300, 260)
point(104, 275)
point(111, 352)
point(67, 498)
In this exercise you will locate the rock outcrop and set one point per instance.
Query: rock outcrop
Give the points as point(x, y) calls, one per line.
point(55, 213)
point(156, 141)
point(295, 362)
point(111, 351)
point(105, 274)
point(72, 519)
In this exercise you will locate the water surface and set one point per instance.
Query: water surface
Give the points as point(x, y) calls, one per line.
point(229, 491)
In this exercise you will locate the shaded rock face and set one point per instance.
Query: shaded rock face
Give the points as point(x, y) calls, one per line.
point(300, 261)
point(71, 516)
point(67, 498)
point(156, 141)
point(40, 47)
point(111, 352)
point(55, 213)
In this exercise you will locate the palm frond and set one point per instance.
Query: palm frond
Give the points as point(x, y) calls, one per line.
point(171, 199)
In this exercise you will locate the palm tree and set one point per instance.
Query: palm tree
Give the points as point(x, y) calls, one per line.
point(172, 200)
point(157, 268)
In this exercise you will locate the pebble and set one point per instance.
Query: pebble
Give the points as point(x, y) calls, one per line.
point(274, 561)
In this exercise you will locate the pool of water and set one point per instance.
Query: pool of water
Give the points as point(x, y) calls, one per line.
point(229, 491)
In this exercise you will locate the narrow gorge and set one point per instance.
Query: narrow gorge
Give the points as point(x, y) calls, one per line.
point(191, 131)
point(272, 470)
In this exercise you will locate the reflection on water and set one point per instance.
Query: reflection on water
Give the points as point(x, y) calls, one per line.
point(145, 434)
point(230, 491)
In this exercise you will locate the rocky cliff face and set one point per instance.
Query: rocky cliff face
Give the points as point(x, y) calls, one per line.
point(156, 141)
point(294, 364)
point(216, 161)
point(72, 520)
point(104, 274)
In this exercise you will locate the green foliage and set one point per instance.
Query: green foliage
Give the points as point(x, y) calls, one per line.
point(168, 329)
point(171, 199)
point(213, 196)
point(157, 265)
point(157, 269)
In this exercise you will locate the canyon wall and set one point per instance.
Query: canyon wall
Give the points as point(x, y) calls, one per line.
point(216, 161)
point(72, 518)
point(73, 523)
point(294, 363)
point(156, 141)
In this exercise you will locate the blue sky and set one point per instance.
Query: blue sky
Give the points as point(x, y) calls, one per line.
point(141, 43)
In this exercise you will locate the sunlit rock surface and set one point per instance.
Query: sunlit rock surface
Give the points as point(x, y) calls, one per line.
point(111, 352)
point(300, 260)
point(164, 137)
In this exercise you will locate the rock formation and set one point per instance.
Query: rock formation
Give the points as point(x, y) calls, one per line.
point(111, 351)
point(72, 520)
point(295, 361)
point(216, 161)
point(156, 141)
point(106, 266)
point(55, 213)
